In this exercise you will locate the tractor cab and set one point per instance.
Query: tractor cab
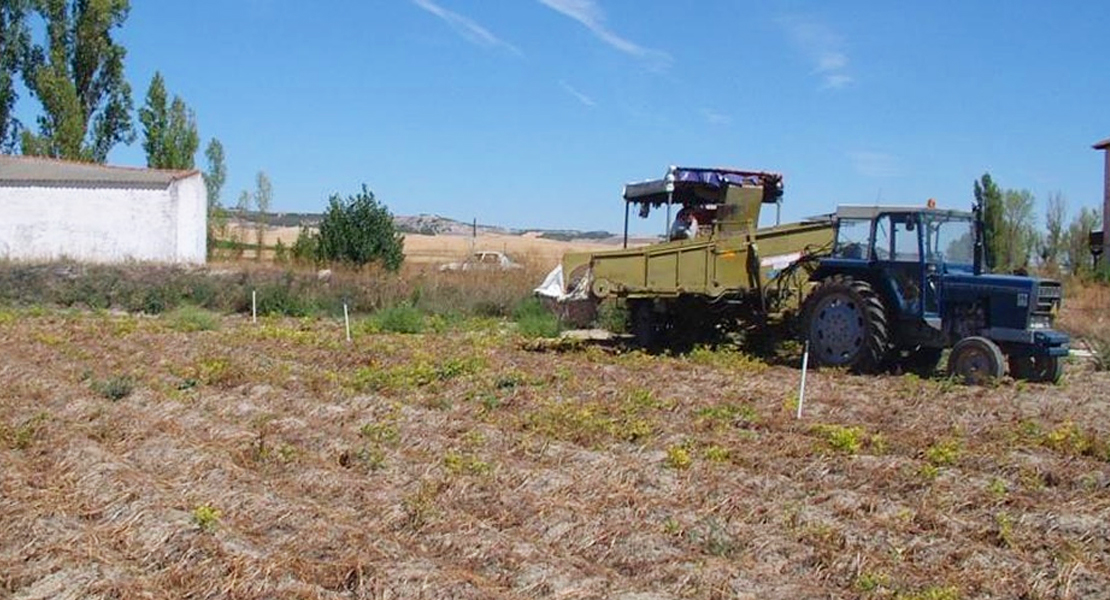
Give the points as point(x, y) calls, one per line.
point(902, 283)
point(910, 247)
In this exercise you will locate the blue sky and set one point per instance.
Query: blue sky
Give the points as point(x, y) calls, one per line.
point(534, 113)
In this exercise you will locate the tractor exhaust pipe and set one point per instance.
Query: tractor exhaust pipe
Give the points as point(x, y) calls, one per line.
point(977, 208)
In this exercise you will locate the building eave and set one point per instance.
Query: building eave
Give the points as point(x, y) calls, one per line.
point(33, 171)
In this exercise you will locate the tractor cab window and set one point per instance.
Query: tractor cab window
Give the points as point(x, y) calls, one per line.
point(949, 239)
point(853, 237)
point(896, 238)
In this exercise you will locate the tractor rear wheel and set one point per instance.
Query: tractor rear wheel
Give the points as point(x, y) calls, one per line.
point(846, 325)
point(1039, 369)
point(976, 360)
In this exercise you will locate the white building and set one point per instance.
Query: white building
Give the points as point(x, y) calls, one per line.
point(51, 209)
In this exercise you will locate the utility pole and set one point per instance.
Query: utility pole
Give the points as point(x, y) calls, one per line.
point(1104, 145)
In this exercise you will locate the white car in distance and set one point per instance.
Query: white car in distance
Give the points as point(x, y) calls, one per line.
point(483, 260)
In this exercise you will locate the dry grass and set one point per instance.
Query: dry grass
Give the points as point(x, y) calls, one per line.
point(276, 460)
point(1086, 311)
point(289, 290)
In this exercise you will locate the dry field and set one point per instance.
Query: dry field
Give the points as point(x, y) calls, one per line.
point(438, 249)
point(276, 460)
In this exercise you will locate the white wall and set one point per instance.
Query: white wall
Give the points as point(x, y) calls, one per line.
point(101, 224)
point(191, 197)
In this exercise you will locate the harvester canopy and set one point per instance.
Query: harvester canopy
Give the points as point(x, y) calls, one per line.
point(697, 186)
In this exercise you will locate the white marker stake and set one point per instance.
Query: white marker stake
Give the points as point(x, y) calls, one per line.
point(802, 391)
point(254, 306)
point(347, 321)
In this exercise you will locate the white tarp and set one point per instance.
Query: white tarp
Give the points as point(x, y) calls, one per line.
point(553, 287)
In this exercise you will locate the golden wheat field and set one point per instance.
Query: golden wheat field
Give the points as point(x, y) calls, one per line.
point(179, 456)
point(528, 248)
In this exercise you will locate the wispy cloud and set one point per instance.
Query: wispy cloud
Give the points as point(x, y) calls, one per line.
point(715, 118)
point(589, 14)
point(466, 27)
point(583, 98)
point(823, 47)
point(878, 165)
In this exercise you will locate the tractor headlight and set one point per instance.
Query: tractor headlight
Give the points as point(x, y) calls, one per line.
point(1040, 322)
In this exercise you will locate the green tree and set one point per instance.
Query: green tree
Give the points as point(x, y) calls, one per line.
point(78, 77)
point(305, 248)
point(358, 230)
point(216, 173)
point(989, 197)
point(1054, 242)
point(170, 136)
point(214, 177)
point(1077, 241)
point(182, 139)
point(241, 208)
point(1016, 236)
point(263, 197)
point(15, 39)
point(154, 115)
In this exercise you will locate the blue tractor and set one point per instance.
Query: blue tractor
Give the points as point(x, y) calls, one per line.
point(902, 284)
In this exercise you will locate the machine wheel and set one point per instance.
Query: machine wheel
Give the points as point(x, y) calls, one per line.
point(922, 361)
point(976, 360)
point(846, 325)
point(1040, 369)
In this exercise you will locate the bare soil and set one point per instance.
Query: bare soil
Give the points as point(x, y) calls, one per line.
point(276, 460)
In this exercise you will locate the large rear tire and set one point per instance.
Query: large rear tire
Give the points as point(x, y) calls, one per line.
point(976, 361)
point(846, 325)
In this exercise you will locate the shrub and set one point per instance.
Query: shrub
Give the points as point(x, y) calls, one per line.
point(206, 517)
point(678, 457)
point(358, 230)
point(612, 316)
point(114, 388)
point(529, 307)
point(191, 318)
point(843, 439)
point(943, 453)
point(538, 326)
point(280, 299)
point(535, 321)
point(402, 318)
point(305, 248)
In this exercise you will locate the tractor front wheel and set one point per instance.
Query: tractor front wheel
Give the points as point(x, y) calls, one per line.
point(846, 325)
point(976, 361)
point(1039, 369)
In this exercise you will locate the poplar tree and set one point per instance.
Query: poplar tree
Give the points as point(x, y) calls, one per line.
point(216, 173)
point(989, 197)
point(263, 197)
point(170, 136)
point(77, 76)
point(15, 39)
point(214, 177)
